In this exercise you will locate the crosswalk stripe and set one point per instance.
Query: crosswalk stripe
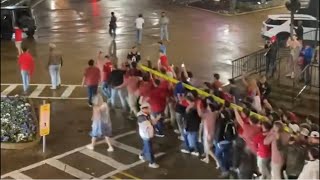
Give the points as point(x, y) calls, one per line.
point(37, 91)
point(68, 91)
point(126, 147)
point(69, 169)
point(19, 175)
point(8, 89)
point(102, 158)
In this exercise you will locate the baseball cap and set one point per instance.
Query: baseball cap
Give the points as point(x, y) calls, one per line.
point(295, 128)
point(145, 105)
point(315, 134)
point(304, 132)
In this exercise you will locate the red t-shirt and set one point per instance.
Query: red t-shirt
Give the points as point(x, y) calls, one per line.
point(145, 88)
point(107, 68)
point(18, 34)
point(249, 132)
point(263, 151)
point(92, 76)
point(157, 100)
point(164, 62)
point(26, 62)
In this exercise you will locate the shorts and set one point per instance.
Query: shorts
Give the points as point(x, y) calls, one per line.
point(18, 44)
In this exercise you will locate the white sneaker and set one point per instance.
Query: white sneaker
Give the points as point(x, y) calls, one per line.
point(195, 153)
point(90, 147)
point(185, 151)
point(292, 75)
point(110, 149)
point(181, 138)
point(176, 131)
point(141, 158)
point(153, 165)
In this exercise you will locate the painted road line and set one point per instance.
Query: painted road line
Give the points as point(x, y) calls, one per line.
point(115, 177)
point(102, 158)
point(68, 91)
point(19, 175)
point(69, 169)
point(126, 147)
point(37, 91)
point(112, 173)
point(60, 98)
point(8, 89)
point(129, 175)
point(60, 156)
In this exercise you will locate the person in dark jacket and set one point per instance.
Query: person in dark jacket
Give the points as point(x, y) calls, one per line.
point(307, 54)
point(113, 25)
point(271, 57)
point(116, 79)
point(299, 31)
point(295, 155)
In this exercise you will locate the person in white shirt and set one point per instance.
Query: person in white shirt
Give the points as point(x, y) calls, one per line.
point(311, 168)
point(139, 26)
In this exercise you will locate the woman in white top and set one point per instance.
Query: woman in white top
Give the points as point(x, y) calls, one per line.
point(101, 122)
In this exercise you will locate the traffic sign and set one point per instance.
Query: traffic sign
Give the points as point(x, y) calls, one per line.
point(44, 119)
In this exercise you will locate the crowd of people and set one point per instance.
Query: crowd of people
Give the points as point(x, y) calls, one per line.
point(276, 145)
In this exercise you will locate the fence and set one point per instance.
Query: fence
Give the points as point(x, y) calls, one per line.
point(252, 63)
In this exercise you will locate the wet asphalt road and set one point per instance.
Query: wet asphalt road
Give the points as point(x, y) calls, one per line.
point(205, 42)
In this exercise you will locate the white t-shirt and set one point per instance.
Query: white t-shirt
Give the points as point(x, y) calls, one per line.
point(139, 22)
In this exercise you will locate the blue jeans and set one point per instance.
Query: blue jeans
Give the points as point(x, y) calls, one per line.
point(106, 90)
point(92, 90)
point(164, 32)
point(54, 71)
point(159, 126)
point(25, 79)
point(139, 36)
point(191, 141)
point(147, 151)
point(223, 154)
point(122, 96)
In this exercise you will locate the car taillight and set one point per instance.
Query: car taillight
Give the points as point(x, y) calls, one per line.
point(268, 28)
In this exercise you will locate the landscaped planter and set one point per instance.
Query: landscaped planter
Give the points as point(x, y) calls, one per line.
point(19, 124)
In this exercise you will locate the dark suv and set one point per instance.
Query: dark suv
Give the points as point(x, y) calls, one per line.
point(17, 15)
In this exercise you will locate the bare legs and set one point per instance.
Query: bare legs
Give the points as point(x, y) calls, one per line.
point(93, 143)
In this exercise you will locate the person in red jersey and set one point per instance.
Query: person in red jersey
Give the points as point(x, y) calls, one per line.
point(26, 64)
point(91, 79)
point(18, 38)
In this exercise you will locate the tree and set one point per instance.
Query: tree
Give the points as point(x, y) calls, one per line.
point(293, 6)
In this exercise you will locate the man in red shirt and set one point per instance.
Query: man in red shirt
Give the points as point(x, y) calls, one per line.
point(91, 79)
point(26, 64)
point(263, 151)
point(18, 39)
point(157, 101)
point(107, 68)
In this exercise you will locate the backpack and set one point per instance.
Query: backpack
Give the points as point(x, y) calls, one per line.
point(230, 131)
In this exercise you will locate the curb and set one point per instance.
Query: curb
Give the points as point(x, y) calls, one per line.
point(237, 14)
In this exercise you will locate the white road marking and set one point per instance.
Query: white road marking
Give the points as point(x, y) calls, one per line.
point(18, 175)
point(68, 91)
point(106, 176)
point(37, 91)
point(36, 4)
point(126, 147)
point(60, 156)
point(68, 169)
point(102, 158)
point(8, 89)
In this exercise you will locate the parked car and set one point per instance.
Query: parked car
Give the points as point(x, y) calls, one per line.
point(279, 26)
point(12, 15)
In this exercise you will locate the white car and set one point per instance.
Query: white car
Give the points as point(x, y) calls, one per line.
point(279, 26)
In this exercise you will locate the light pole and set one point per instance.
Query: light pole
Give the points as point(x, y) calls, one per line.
point(293, 6)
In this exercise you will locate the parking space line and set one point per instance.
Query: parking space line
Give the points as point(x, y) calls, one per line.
point(126, 147)
point(8, 89)
point(68, 91)
point(19, 175)
point(63, 155)
point(129, 175)
point(102, 158)
point(69, 169)
point(37, 91)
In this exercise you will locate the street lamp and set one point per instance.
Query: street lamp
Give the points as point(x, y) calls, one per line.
point(293, 6)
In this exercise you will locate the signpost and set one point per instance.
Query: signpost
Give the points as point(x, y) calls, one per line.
point(44, 123)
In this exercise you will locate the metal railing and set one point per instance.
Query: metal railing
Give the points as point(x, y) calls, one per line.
point(310, 78)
